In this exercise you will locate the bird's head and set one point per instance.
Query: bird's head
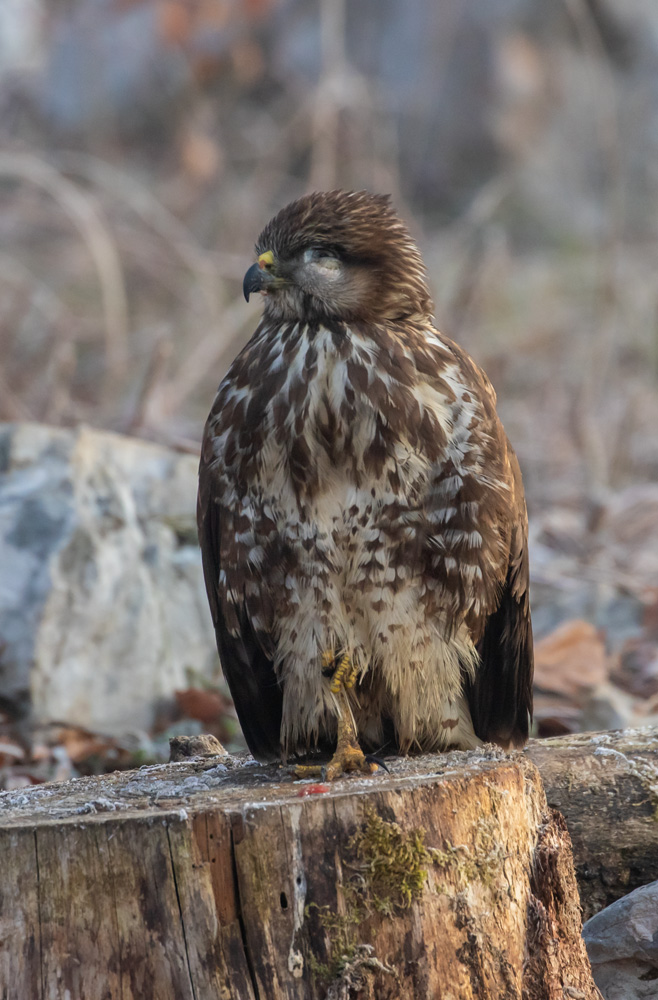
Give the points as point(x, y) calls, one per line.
point(340, 255)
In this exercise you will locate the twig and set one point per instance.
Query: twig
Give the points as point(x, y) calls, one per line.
point(62, 366)
point(87, 217)
point(205, 357)
point(62, 360)
point(12, 406)
point(15, 270)
point(153, 377)
point(203, 264)
point(328, 101)
point(598, 372)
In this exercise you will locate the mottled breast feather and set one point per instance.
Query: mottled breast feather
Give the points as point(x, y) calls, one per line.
point(357, 493)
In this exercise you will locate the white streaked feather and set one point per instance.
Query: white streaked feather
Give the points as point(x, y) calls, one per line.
point(421, 670)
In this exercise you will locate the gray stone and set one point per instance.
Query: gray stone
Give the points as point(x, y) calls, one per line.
point(102, 604)
point(606, 708)
point(622, 944)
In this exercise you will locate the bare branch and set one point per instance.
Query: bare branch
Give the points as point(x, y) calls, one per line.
point(87, 217)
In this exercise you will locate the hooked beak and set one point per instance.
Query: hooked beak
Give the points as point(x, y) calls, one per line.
point(254, 280)
point(262, 275)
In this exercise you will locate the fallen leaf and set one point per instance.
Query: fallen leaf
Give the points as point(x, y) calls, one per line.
point(555, 716)
point(199, 703)
point(571, 660)
point(201, 156)
point(637, 668)
point(10, 752)
point(80, 744)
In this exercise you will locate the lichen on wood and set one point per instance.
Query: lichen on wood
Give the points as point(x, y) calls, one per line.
point(388, 871)
point(392, 863)
point(208, 879)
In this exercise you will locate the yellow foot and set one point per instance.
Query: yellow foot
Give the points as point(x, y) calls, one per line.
point(349, 756)
point(345, 761)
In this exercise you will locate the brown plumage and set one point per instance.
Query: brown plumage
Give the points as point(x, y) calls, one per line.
point(359, 503)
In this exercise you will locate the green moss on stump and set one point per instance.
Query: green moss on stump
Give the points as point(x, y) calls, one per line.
point(389, 869)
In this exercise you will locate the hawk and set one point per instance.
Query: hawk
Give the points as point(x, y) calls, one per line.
point(361, 513)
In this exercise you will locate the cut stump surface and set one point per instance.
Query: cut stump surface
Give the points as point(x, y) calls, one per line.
point(223, 879)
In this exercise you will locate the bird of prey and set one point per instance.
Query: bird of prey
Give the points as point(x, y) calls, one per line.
point(361, 512)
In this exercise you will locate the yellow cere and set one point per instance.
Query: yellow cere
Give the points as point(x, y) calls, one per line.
point(266, 259)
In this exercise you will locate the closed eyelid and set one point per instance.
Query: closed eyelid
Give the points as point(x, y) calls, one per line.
point(320, 253)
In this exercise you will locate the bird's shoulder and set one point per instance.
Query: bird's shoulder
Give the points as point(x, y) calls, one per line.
point(469, 372)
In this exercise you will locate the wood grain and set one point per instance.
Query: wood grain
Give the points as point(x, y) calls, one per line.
point(201, 880)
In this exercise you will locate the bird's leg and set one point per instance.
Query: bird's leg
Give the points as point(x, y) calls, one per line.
point(348, 756)
point(344, 675)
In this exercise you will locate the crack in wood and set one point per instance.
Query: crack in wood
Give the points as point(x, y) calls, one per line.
point(180, 912)
point(194, 886)
point(41, 970)
point(298, 877)
point(241, 924)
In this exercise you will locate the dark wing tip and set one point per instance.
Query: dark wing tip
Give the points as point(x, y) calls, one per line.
point(500, 696)
point(249, 672)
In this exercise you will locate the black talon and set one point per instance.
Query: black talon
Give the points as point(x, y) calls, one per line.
point(371, 759)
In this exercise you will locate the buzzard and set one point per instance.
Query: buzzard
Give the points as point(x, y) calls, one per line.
point(361, 513)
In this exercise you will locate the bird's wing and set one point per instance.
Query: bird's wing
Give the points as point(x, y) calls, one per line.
point(500, 692)
point(248, 669)
point(500, 695)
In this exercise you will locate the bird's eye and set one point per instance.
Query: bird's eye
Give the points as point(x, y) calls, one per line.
point(319, 253)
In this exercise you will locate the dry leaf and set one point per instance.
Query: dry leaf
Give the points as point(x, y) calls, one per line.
point(637, 669)
point(81, 744)
point(201, 156)
point(555, 715)
point(198, 703)
point(571, 660)
point(10, 752)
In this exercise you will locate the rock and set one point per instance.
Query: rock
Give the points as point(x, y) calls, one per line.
point(608, 708)
point(102, 604)
point(622, 944)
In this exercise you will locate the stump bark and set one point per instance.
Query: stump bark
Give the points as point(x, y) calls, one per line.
point(214, 879)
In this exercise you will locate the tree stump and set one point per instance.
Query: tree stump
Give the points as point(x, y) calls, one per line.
point(606, 787)
point(218, 878)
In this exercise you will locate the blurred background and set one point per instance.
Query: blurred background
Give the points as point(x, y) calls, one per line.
point(144, 144)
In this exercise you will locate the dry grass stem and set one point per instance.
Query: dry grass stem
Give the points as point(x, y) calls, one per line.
point(87, 217)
